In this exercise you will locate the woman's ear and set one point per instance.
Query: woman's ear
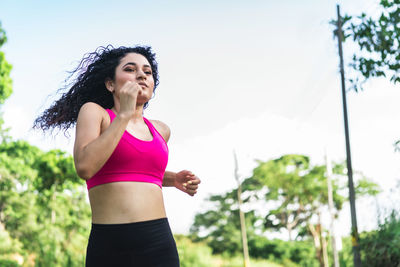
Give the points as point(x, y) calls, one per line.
point(109, 85)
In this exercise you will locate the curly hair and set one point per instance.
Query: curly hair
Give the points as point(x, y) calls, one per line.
point(89, 85)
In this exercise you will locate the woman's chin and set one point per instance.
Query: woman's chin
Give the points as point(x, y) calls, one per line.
point(142, 101)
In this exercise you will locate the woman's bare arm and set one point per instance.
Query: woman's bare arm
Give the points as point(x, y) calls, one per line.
point(92, 148)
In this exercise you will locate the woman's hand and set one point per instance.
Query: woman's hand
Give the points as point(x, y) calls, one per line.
point(187, 182)
point(128, 95)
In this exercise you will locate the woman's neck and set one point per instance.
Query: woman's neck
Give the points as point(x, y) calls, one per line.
point(137, 115)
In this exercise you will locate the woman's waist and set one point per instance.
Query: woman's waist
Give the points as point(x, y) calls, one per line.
point(126, 202)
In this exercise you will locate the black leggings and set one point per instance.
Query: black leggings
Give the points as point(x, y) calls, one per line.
point(148, 243)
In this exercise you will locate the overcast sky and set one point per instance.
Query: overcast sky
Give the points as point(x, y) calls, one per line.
point(260, 77)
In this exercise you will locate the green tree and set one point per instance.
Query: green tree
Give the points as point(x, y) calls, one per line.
point(285, 193)
point(5, 69)
point(49, 216)
point(5, 79)
point(220, 226)
point(381, 247)
point(299, 192)
point(44, 215)
point(377, 39)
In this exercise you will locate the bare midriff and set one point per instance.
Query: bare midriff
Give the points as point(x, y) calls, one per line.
point(126, 202)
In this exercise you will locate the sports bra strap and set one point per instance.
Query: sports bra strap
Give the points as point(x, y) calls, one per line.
point(111, 114)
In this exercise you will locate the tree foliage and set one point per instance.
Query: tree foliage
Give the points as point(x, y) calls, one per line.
point(382, 247)
point(5, 69)
point(5, 80)
point(284, 193)
point(220, 225)
point(378, 41)
point(44, 215)
point(43, 205)
point(298, 189)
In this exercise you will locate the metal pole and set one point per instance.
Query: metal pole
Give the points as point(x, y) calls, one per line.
point(246, 259)
point(330, 206)
point(354, 230)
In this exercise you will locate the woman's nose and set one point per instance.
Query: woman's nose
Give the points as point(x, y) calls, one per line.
point(140, 74)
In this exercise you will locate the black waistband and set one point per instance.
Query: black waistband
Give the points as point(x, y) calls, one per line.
point(133, 224)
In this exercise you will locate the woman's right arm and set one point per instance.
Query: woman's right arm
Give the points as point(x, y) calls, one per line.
point(92, 148)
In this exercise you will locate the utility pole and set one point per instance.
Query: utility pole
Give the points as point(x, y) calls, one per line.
point(331, 211)
point(354, 230)
point(246, 260)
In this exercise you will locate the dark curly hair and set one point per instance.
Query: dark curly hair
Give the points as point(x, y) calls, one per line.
point(89, 85)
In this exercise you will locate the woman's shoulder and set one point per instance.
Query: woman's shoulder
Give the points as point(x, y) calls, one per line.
point(92, 111)
point(91, 106)
point(162, 128)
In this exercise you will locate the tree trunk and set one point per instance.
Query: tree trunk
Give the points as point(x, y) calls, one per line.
point(323, 243)
point(324, 251)
point(2, 227)
point(317, 243)
point(290, 233)
point(53, 200)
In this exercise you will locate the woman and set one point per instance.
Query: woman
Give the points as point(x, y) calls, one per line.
point(122, 156)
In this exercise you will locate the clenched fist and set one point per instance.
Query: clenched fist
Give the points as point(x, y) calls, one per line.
point(128, 95)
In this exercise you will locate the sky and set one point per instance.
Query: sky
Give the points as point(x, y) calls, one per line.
point(257, 77)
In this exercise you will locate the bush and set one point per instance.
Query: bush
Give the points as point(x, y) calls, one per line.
point(382, 247)
point(288, 253)
point(193, 254)
point(8, 245)
point(346, 254)
point(237, 261)
point(200, 255)
point(8, 263)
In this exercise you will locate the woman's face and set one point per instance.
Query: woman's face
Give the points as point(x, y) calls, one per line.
point(135, 68)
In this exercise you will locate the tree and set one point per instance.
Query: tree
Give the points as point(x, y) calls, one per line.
point(285, 193)
point(5, 79)
point(220, 226)
point(378, 40)
point(43, 204)
point(295, 186)
point(381, 247)
point(8, 244)
point(299, 192)
point(44, 215)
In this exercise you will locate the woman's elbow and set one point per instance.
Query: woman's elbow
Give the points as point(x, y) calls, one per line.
point(83, 172)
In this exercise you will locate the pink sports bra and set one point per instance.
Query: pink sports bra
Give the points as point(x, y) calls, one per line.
point(134, 160)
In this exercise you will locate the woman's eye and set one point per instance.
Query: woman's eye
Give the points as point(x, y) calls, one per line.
point(129, 70)
point(148, 72)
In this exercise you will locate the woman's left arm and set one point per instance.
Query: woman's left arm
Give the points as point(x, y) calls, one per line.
point(184, 180)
